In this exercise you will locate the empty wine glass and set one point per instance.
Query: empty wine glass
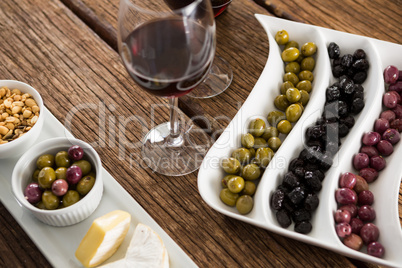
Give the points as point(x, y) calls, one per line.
point(168, 52)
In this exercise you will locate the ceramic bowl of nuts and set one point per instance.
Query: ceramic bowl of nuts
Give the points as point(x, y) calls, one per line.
point(59, 181)
point(21, 117)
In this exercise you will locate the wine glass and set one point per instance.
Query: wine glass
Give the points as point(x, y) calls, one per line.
point(168, 52)
point(220, 75)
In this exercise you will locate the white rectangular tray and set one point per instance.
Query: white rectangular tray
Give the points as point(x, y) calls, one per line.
point(58, 244)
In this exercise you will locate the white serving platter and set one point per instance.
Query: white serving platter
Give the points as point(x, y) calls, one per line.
point(58, 244)
point(260, 102)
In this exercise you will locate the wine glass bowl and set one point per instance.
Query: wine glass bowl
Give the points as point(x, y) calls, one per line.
point(168, 51)
point(218, 6)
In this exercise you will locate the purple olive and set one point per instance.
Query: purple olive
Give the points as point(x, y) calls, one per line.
point(371, 138)
point(392, 135)
point(377, 162)
point(369, 150)
point(391, 74)
point(380, 125)
point(366, 213)
point(345, 196)
point(385, 148)
point(375, 249)
point(369, 174)
point(74, 174)
point(360, 161)
point(33, 193)
point(59, 187)
point(369, 233)
point(388, 114)
point(347, 180)
point(389, 100)
point(75, 152)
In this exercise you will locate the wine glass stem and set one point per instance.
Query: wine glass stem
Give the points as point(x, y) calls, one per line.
point(175, 138)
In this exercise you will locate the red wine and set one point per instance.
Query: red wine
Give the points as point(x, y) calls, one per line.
point(218, 6)
point(166, 61)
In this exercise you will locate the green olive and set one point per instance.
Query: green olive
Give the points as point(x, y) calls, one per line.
point(292, 77)
point(35, 175)
point(230, 165)
point(292, 43)
point(40, 205)
point(257, 127)
point(290, 54)
point(293, 95)
point(228, 197)
point(274, 143)
point(308, 49)
point(304, 85)
point(46, 177)
point(263, 156)
point(260, 143)
point(62, 159)
point(274, 117)
point(293, 112)
point(244, 204)
point(284, 127)
point(306, 75)
point(242, 154)
point(61, 173)
point(252, 152)
point(285, 85)
point(308, 64)
point(70, 198)
point(85, 184)
point(270, 132)
point(46, 160)
point(251, 172)
point(50, 200)
point(247, 140)
point(236, 184)
point(85, 166)
point(305, 97)
point(281, 37)
point(225, 180)
point(292, 67)
point(281, 102)
point(249, 188)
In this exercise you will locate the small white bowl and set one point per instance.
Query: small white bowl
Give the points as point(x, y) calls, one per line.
point(18, 146)
point(26, 165)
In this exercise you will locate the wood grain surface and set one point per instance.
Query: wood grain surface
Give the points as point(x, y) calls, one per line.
point(67, 50)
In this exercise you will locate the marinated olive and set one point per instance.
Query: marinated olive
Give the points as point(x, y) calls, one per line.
point(226, 179)
point(290, 54)
point(260, 143)
point(59, 187)
point(292, 77)
point(70, 198)
point(304, 85)
point(282, 37)
point(281, 102)
point(46, 160)
point(46, 177)
point(308, 49)
point(308, 63)
point(257, 127)
point(263, 156)
point(236, 184)
point(62, 159)
point(293, 95)
point(230, 165)
point(306, 75)
point(292, 44)
point(305, 97)
point(292, 67)
point(270, 132)
point(61, 173)
point(50, 200)
point(274, 117)
point(249, 188)
point(252, 152)
point(85, 166)
point(284, 127)
point(244, 204)
point(242, 154)
point(285, 85)
point(228, 197)
point(85, 185)
point(251, 172)
point(247, 140)
point(274, 143)
point(293, 112)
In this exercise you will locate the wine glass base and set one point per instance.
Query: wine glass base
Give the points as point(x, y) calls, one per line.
point(181, 158)
point(217, 81)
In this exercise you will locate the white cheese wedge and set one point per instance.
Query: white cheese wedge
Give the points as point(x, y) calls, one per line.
point(146, 250)
point(103, 238)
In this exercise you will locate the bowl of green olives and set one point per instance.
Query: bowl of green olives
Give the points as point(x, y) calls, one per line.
point(59, 181)
point(21, 117)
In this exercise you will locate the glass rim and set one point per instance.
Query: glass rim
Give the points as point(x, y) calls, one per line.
point(167, 11)
point(225, 4)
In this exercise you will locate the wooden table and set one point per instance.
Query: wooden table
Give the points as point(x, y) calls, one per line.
point(67, 50)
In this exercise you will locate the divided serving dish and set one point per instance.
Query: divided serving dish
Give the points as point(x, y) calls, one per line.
point(261, 101)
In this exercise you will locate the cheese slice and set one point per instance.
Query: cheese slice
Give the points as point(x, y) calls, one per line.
point(146, 250)
point(103, 238)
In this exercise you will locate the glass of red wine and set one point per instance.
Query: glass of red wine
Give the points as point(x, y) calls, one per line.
point(218, 6)
point(168, 52)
